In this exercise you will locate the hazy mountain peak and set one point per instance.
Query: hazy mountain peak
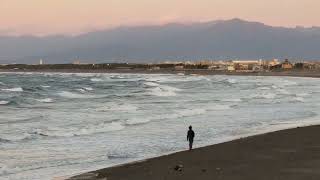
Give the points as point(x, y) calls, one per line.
point(224, 39)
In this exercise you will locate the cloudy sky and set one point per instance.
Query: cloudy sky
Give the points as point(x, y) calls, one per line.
point(42, 17)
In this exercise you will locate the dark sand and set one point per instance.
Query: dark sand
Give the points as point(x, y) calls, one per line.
point(289, 155)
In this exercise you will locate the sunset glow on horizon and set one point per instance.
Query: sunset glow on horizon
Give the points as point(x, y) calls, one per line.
point(42, 17)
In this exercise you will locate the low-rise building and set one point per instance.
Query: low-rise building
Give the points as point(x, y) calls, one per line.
point(286, 65)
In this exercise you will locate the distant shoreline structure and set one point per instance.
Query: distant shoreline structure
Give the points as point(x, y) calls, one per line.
point(239, 67)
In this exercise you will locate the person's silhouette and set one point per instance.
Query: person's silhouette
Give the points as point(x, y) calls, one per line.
point(190, 137)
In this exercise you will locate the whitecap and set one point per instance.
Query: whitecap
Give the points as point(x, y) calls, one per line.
point(96, 79)
point(190, 112)
point(135, 121)
point(117, 107)
point(283, 91)
point(152, 84)
point(87, 130)
point(44, 86)
point(45, 100)
point(88, 88)
point(303, 94)
point(4, 102)
point(68, 94)
point(263, 88)
point(264, 96)
point(81, 90)
point(232, 81)
point(161, 90)
point(18, 89)
point(100, 128)
point(298, 99)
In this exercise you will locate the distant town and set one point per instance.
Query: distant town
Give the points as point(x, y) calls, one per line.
point(201, 67)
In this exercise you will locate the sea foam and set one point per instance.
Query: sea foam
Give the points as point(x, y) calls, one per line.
point(4, 102)
point(161, 90)
point(68, 94)
point(18, 89)
point(45, 100)
point(135, 121)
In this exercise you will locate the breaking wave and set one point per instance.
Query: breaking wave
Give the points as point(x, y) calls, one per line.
point(161, 90)
point(264, 96)
point(71, 95)
point(117, 107)
point(135, 121)
point(45, 100)
point(88, 130)
point(4, 102)
point(96, 79)
point(18, 89)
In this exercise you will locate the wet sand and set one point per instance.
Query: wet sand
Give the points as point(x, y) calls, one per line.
point(284, 155)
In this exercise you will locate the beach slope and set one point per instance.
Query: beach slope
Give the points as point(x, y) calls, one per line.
point(289, 155)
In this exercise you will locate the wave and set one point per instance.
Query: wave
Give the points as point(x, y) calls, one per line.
point(181, 114)
point(117, 107)
point(81, 90)
point(152, 84)
point(4, 169)
point(88, 88)
point(71, 95)
point(2, 140)
point(45, 100)
point(18, 89)
point(190, 112)
point(15, 137)
point(298, 99)
point(4, 102)
point(283, 91)
point(88, 130)
point(135, 121)
point(96, 79)
point(232, 81)
point(264, 96)
point(161, 90)
point(303, 94)
point(219, 107)
point(44, 86)
point(264, 88)
point(232, 100)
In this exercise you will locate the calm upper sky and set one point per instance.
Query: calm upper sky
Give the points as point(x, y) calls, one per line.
point(42, 17)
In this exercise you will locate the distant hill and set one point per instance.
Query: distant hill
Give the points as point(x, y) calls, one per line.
point(231, 39)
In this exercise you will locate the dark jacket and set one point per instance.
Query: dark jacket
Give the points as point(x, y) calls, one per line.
point(190, 135)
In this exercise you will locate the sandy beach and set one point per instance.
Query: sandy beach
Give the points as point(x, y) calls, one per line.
point(288, 154)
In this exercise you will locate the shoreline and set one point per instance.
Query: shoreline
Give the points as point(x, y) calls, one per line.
point(313, 74)
point(289, 154)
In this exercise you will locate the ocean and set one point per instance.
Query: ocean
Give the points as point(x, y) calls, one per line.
point(62, 124)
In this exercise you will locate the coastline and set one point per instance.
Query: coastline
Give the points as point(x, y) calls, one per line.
point(286, 154)
point(292, 73)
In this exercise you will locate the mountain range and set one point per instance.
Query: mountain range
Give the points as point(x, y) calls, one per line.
point(221, 40)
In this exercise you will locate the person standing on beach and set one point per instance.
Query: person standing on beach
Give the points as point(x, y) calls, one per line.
point(190, 137)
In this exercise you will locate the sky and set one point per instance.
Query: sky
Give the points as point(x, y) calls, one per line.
point(47, 17)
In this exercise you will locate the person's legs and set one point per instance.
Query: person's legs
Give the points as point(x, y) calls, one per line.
point(190, 144)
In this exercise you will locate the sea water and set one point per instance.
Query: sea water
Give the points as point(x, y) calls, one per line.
point(62, 124)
